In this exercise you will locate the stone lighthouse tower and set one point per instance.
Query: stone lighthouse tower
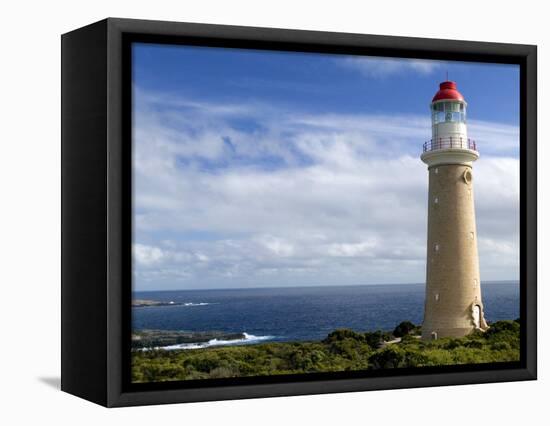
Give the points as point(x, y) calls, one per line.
point(453, 306)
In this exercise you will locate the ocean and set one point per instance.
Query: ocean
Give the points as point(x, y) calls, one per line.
point(301, 313)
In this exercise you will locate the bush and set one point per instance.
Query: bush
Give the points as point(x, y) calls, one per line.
point(477, 344)
point(343, 334)
point(452, 344)
point(390, 357)
point(347, 348)
point(404, 328)
point(500, 346)
point(376, 338)
point(221, 372)
point(476, 335)
point(502, 326)
point(408, 338)
point(415, 358)
point(204, 362)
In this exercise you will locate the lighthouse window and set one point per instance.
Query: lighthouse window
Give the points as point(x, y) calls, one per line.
point(436, 200)
point(448, 112)
point(452, 107)
point(436, 247)
point(467, 176)
point(438, 117)
point(453, 116)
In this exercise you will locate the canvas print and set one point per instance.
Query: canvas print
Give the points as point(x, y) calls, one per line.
point(298, 213)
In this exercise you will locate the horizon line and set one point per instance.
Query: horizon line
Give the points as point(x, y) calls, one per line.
point(306, 286)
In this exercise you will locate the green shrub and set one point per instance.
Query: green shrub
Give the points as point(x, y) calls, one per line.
point(406, 327)
point(500, 346)
point(415, 358)
point(502, 326)
point(408, 338)
point(390, 357)
point(342, 334)
point(203, 361)
point(453, 344)
point(376, 338)
point(220, 372)
point(478, 344)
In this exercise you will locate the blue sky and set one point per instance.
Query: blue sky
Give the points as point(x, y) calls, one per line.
point(256, 168)
point(324, 83)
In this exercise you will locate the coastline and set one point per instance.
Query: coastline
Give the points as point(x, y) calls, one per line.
point(182, 340)
point(145, 303)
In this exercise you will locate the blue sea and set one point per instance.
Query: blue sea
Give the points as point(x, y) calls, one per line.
point(301, 313)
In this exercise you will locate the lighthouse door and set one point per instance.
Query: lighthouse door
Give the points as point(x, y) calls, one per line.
point(477, 315)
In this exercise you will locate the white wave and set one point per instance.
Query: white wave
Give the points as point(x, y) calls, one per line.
point(248, 339)
point(197, 304)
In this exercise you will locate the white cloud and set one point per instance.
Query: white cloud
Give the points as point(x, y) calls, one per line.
point(495, 139)
point(377, 67)
point(363, 248)
point(277, 246)
point(327, 199)
point(147, 255)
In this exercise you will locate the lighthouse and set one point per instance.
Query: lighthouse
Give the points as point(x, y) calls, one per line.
point(453, 305)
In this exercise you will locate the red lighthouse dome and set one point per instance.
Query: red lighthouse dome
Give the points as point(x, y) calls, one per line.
point(448, 90)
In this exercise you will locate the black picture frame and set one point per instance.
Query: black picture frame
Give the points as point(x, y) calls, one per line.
point(96, 210)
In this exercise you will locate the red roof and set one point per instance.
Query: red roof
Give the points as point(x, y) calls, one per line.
point(447, 90)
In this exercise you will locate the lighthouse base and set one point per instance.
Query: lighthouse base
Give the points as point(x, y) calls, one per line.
point(446, 332)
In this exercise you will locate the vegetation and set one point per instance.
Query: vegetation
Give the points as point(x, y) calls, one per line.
point(341, 350)
point(405, 328)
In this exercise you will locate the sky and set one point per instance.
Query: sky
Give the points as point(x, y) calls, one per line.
point(270, 169)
